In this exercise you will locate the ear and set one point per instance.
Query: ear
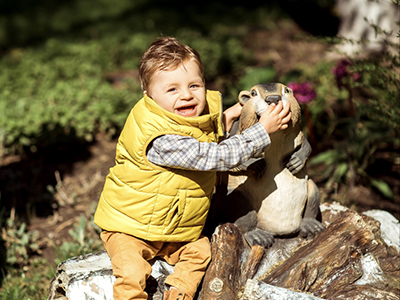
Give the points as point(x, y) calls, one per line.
point(146, 94)
point(244, 96)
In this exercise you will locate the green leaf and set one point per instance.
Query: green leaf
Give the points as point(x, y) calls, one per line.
point(338, 174)
point(383, 187)
point(326, 157)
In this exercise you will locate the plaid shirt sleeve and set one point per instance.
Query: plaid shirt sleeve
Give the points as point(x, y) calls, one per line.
point(186, 152)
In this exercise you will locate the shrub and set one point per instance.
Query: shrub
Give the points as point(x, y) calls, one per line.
point(369, 122)
point(61, 87)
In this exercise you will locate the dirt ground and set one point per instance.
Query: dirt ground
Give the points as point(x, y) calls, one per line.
point(77, 174)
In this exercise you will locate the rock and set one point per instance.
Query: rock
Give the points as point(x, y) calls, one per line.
point(258, 290)
point(90, 277)
point(390, 226)
point(83, 277)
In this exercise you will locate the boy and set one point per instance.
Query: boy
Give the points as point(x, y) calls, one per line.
point(156, 198)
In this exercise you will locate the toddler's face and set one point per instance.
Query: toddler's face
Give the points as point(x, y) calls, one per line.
point(180, 91)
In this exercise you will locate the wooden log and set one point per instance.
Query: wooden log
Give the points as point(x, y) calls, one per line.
point(250, 266)
point(227, 246)
point(329, 265)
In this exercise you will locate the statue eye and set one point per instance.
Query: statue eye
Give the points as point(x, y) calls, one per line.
point(253, 93)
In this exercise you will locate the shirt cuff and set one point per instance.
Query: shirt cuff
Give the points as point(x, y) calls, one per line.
point(258, 136)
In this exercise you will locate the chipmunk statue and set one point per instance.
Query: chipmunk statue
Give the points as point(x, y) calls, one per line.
point(272, 196)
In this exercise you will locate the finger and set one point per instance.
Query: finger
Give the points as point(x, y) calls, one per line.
point(285, 110)
point(279, 106)
point(270, 108)
point(287, 118)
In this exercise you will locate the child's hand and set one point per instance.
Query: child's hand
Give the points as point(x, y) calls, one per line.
point(276, 117)
point(231, 114)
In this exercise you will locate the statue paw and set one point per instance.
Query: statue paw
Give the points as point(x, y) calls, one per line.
point(259, 237)
point(295, 164)
point(310, 227)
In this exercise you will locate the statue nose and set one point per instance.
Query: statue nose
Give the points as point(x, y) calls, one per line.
point(273, 99)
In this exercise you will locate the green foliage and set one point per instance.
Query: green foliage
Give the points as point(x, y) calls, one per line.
point(31, 282)
point(256, 75)
point(22, 21)
point(251, 76)
point(372, 86)
point(349, 160)
point(20, 243)
point(381, 79)
point(351, 138)
point(60, 88)
point(324, 116)
point(84, 240)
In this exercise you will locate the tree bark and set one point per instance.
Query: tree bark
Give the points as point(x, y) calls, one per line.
point(223, 272)
point(330, 265)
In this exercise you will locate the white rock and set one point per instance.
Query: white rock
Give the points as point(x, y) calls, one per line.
point(390, 226)
point(258, 290)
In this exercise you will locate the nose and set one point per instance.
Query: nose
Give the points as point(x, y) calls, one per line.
point(186, 94)
point(273, 99)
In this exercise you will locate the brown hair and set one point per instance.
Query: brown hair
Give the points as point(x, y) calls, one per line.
point(167, 53)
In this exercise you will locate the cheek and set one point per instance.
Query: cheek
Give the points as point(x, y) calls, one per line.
point(202, 98)
point(260, 106)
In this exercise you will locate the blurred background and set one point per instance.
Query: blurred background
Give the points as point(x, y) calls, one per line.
point(68, 79)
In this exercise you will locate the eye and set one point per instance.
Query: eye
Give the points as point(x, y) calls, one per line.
point(253, 93)
point(171, 90)
point(287, 90)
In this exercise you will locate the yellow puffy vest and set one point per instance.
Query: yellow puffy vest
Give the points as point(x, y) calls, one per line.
point(151, 202)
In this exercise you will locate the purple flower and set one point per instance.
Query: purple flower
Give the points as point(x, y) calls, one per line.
point(342, 73)
point(303, 92)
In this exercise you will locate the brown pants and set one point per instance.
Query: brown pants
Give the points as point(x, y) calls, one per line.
point(129, 256)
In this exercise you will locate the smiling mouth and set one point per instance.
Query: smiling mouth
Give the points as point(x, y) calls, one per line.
point(186, 111)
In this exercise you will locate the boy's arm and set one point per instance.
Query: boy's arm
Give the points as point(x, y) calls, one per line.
point(188, 153)
point(185, 152)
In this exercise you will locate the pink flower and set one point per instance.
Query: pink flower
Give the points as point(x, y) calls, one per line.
point(356, 76)
point(303, 92)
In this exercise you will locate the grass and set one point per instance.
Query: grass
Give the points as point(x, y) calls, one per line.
point(29, 283)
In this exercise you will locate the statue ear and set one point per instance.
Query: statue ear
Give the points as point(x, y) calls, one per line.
point(244, 96)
